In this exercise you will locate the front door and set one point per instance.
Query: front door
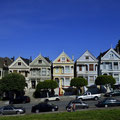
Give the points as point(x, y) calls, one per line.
point(33, 83)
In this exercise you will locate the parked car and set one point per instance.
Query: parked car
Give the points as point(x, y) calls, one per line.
point(107, 102)
point(88, 95)
point(44, 107)
point(78, 105)
point(20, 99)
point(7, 110)
point(114, 93)
point(52, 98)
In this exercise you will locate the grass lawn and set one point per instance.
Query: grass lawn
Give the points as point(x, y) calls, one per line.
point(106, 114)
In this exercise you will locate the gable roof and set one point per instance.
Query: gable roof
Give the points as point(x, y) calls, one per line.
point(102, 54)
point(24, 60)
point(111, 49)
point(4, 61)
point(27, 61)
point(45, 59)
point(92, 56)
point(63, 53)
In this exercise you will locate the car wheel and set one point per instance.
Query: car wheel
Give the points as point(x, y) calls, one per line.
point(53, 109)
point(46, 100)
point(96, 98)
point(18, 112)
point(69, 109)
point(80, 99)
point(86, 107)
point(24, 102)
point(57, 99)
point(37, 111)
point(110, 95)
point(106, 106)
point(1, 113)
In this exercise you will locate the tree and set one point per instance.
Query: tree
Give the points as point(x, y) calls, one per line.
point(117, 48)
point(12, 83)
point(105, 80)
point(78, 83)
point(45, 86)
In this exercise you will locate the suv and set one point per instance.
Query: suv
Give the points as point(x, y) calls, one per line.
point(20, 99)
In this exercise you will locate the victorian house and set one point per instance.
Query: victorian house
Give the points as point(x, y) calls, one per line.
point(21, 66)
point(63, 70)
point(110, 64)
point(86, 66)
point(4, 63)
point(40, 70)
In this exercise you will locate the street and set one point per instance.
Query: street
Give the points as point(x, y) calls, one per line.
point(64, 100)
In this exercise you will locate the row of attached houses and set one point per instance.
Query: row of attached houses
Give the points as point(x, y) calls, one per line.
point(63, 68)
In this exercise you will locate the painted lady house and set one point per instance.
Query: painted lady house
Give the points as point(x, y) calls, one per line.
point(21, 66)
point(40, 70)
point(86, 66)
point(63, 71)
point(110, 64)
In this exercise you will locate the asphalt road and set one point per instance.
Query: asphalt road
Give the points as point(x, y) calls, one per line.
point(61, 104)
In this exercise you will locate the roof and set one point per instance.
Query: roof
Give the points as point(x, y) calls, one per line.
point(27, 61)
point(102, 54)
point(5, 62)
point(48, 60)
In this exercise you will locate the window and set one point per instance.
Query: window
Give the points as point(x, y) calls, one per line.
point(43, 71)
point(26, 74)
point(91, 79)
point(67, 69)
point(57, 70)
point(33, 72)
point(116, 75)
point(14, 71)
point(39, 61)
point(86, 57)
point(116, 65)
point(19, 63)
point(0, 73)
point(62, 70)
point(80, 68)
point(67, 81)
point(91, 67)
point(111, 56)
point(63, 59)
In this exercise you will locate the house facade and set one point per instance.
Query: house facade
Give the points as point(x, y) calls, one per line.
point(86, 66)
point(63, 70)
point(21, 66)
point(110, 64)
point(4, 63)
point(40, 70)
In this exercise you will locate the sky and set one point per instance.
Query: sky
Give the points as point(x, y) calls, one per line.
point(49, 27)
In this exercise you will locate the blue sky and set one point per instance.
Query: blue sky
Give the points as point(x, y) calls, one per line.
point(31, 27)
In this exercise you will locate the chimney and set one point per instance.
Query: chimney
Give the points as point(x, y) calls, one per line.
point(30, 59)
point(13, 58)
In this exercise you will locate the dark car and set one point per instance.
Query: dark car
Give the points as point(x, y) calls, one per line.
point(44, 107)
point(20, 99)
point(78, 105)
point(108, 102)
point(7, 110)
point(114, 93)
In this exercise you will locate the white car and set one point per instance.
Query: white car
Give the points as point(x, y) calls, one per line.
point(88, 95)
point(52, 98)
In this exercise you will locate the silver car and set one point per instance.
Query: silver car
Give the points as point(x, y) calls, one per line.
point(10, 109)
